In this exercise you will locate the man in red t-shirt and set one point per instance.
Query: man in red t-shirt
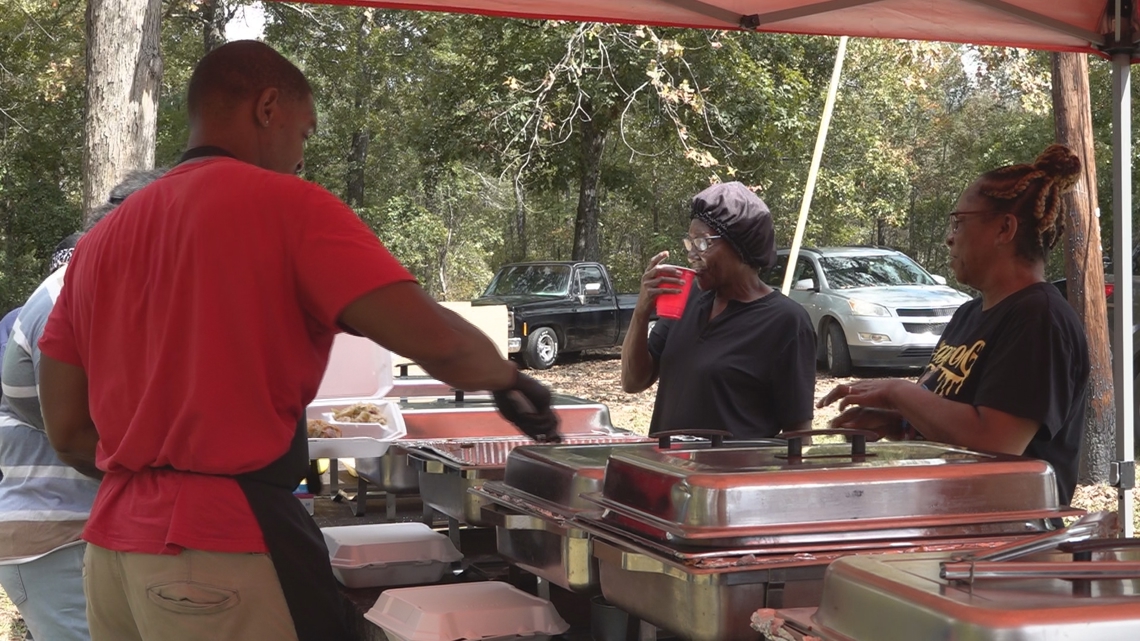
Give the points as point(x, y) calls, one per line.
point(193, 328)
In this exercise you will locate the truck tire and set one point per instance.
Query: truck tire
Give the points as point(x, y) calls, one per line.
point(838, 356)
point(541, 348)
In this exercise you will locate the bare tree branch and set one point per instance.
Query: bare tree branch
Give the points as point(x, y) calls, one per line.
point(13, 119)
point(36, 22)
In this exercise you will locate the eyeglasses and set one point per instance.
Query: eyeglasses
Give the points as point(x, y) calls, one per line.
point(700, 243)
point(956, 217)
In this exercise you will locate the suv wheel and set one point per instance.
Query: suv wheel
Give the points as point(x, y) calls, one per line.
point(835, 346)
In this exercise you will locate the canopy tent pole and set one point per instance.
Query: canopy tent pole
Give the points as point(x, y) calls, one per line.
point(1122, 367)
point(816, 157)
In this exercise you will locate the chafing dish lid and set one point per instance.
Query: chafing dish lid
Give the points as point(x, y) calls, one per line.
point(493, 452)
point(558, 476)
point(478, 417)
point(860, 593)
point(747, 487)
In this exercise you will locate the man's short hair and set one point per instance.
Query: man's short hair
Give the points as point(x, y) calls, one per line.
point(240, 70)
point(134, 181)
point(99, 212)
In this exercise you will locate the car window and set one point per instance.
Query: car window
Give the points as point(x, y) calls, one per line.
point(804, 269)
point(591, 274)
point(846, 272)
point(775, 274)
point(542, 280)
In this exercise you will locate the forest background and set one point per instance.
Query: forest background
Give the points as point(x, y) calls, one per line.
point(468, 142)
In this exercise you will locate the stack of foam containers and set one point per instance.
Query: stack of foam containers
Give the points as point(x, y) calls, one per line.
point(486, 611)
point(389, 554)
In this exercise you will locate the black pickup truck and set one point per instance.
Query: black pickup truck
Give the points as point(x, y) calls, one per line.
point(559, 308)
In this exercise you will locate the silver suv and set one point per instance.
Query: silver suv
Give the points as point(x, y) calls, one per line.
point(871, 307)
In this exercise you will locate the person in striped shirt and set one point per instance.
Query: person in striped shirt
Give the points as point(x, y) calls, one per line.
point(44, 503)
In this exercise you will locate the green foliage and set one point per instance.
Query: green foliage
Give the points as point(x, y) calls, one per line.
point(458, 138)
point(41, 125)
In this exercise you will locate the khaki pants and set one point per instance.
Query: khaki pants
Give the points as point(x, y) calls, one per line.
point(192, 596)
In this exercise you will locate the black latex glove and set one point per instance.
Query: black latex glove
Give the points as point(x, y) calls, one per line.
point(527, 405)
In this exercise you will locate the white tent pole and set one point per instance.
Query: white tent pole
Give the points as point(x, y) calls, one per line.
point(1122, 264)
point(816, 157)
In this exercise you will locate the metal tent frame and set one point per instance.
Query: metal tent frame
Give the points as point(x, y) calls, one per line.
point(1107, 28)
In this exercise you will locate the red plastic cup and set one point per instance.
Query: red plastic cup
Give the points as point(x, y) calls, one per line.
point(673, 305)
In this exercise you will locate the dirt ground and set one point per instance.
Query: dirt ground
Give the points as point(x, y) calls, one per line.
point(11, 625)
point(597, 376)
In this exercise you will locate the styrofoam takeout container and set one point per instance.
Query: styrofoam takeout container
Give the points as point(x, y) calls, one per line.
point(485, 611)
point(359, 440)
point(357, 369)
point(388, 554)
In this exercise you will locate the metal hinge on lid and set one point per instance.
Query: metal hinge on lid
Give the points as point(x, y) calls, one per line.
point(1122, 474)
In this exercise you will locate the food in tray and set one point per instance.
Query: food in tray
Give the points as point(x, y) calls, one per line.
point(361, 413)
point(322, 429)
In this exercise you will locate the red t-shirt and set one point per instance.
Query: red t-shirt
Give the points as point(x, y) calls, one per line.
point(203, 310)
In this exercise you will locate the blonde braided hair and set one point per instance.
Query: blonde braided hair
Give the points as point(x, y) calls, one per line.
point(1034, 194)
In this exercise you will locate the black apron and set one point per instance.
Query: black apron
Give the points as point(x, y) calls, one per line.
point(295, 543)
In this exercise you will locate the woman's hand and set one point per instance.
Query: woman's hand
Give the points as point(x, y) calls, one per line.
point(887, 424)
point(653, 279)
point(875, 393)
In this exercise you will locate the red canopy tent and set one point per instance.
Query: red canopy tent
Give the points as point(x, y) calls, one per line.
point(1058, 25)
point(1103, 27)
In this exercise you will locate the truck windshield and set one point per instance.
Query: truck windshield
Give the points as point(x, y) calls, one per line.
point(540, 280)
point(848, 272)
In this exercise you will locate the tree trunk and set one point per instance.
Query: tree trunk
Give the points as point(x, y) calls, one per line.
point(357, 159)
point(214, 19)
point(1084, 269)
point(520, 219)
point(358, 152)
point(586, 246)
point(124, 70)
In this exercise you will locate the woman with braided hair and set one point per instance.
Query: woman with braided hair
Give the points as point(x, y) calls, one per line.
point(1010, 371)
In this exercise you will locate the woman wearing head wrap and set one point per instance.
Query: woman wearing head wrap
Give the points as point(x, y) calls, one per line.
point(742, 356)
point(1010, 371)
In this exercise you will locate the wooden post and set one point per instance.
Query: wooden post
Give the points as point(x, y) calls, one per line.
point(124, 71)
point(1084, 269)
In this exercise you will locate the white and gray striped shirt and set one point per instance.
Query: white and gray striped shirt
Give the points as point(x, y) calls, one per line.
point(44, 503)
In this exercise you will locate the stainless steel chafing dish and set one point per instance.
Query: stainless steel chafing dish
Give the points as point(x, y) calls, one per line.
point(694, 541)
point(1073, 589)
point(434, 411)
point(543, 490)
point(449, 469)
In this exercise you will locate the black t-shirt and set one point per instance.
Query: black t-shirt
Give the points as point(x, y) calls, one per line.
point(1025, 356)
point(751, 371)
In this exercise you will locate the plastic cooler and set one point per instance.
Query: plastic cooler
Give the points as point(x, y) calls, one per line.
point(388, 554)
point(359, 371)
point(487, 611)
